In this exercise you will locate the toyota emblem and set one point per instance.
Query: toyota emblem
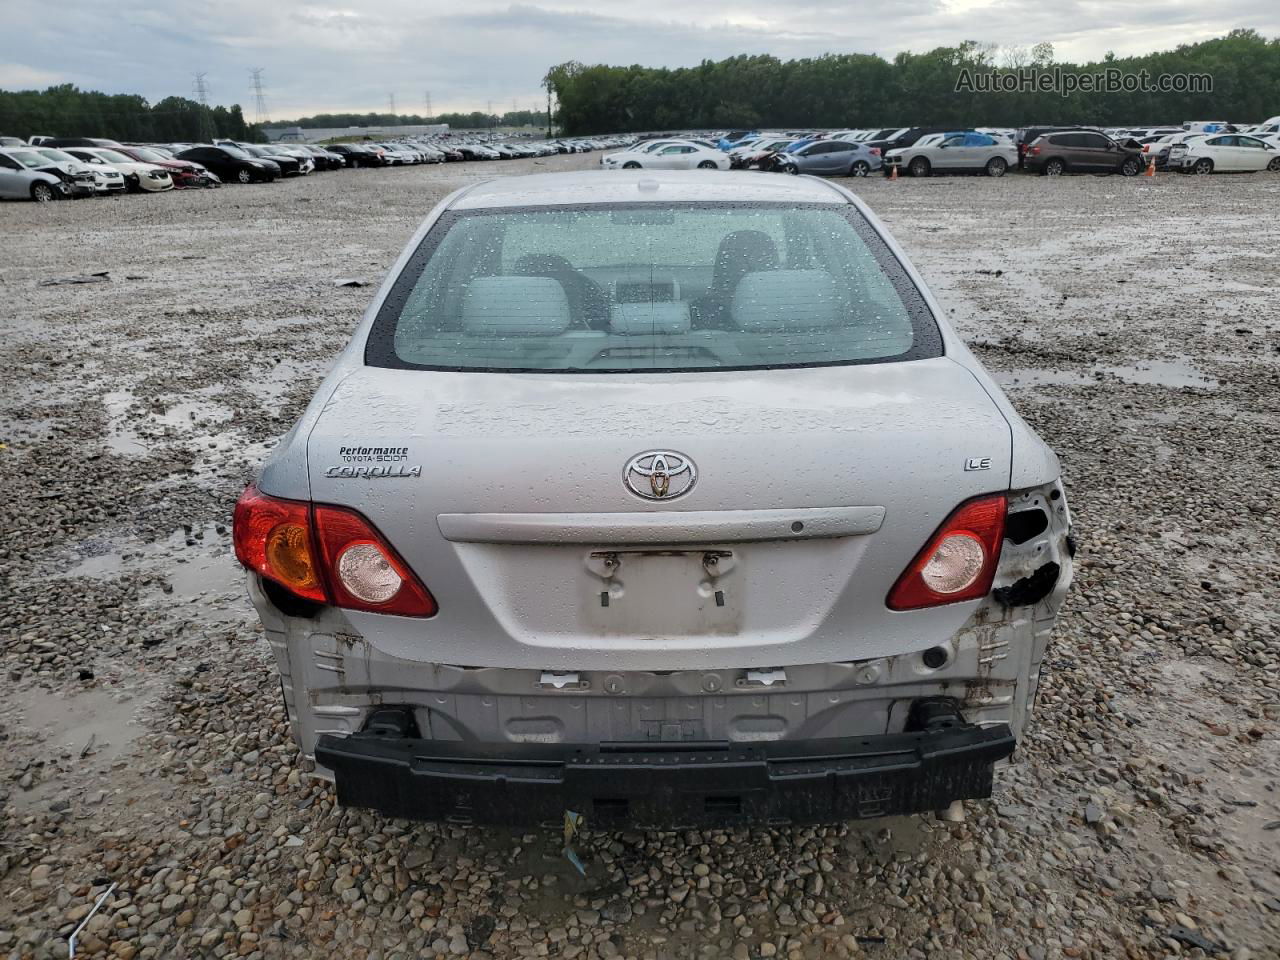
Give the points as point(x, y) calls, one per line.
point(660, 475)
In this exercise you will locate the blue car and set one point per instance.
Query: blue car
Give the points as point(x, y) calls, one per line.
point(737, 138)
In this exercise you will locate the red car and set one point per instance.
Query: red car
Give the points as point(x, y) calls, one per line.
point(184, 172)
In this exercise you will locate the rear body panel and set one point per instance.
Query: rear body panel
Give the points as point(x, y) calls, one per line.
point(893, 438)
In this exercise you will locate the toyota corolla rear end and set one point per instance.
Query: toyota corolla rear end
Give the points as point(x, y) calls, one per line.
point(662, 499)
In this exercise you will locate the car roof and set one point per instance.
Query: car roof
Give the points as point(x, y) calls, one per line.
point(621, 186)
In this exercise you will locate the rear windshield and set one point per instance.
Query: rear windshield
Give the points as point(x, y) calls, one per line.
point(651, 287)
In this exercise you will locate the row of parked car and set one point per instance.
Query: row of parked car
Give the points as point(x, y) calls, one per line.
point(51, 168)
point(1051, 150)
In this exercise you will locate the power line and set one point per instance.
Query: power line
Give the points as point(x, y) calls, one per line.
point(260, 98)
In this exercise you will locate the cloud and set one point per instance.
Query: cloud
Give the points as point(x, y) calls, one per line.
point(340, 55)
point(15, 75)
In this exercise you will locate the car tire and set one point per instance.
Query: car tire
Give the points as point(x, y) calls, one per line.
point(1202, 166)
point(996, 167)
point(919, 167)
point(1054, 168)
point(1274, 164)
point(1130, 168)
point(42, 193)
point(631, 165)
point(244, 175)
point(792, 169)
point(860, 168)
point(707, 165)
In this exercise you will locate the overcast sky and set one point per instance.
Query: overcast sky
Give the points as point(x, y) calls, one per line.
point(350, 56)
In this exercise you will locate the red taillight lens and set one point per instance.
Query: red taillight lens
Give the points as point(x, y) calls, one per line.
point(327, 554)
point(959, 561)
point(364, 571)
point(874, 151)
point(1033, 151)
point(273, 538)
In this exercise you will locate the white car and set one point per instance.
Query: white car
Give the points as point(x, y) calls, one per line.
point(683, 155)
point(146, 177)
point(616, 159)
point(1224, 153)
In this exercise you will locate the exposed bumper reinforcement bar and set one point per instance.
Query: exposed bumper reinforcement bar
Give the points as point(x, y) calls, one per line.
point(665, 785)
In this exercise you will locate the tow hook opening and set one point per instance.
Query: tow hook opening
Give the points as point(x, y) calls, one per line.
point(930, 714)
point(391, 723)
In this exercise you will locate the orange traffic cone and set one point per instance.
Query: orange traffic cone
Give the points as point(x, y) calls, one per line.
point(1151, 167)
point(893, 172)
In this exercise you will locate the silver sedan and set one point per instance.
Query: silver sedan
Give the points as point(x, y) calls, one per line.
point(667, 498)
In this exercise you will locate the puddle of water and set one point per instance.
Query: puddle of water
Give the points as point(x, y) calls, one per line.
point(1161, 373)
point(1240, 794)
point(203, 573)
point(123, 435)
point(1033, 377)
point(68, 723)
point(1157, 373)
point(270, 385)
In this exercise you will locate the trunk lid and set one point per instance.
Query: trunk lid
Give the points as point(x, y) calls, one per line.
point(506, 494)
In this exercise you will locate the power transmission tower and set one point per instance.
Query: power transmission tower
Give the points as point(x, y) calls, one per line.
point(260, 98)
point(427, 97)
point(202, 89)
point(391, 103)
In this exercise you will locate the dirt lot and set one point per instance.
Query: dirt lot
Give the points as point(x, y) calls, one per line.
point(1135, 325)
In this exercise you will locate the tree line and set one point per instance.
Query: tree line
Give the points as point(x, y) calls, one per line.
point(477, 120)
point(864, 90)
point(67, 111)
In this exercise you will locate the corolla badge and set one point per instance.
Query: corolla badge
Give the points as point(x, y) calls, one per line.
point(660, 475)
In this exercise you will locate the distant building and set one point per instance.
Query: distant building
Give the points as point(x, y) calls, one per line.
point(288, 134)
point(314, 134)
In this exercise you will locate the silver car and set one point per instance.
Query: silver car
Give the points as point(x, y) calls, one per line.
point(665, 498)
point(20, 178)
point(830, 158)
point(961, 152)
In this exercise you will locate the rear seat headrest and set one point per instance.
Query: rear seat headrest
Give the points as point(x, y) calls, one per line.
point(515, 306)
point(773, 300)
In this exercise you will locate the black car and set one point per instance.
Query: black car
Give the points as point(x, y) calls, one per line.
point(356, 155)
point(898, 137)
point(231, 164)
point(288, 166)
point(63, 142)
point(324, 159)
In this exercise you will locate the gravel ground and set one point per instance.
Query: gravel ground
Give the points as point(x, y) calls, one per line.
point(144, 744)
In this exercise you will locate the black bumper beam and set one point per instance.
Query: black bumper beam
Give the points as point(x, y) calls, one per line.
point(665, 785)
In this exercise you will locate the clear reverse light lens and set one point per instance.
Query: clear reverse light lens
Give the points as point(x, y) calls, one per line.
point(955, 565)
point(367, 574)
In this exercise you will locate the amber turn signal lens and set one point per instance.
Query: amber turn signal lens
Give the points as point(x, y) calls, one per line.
point(289, 557)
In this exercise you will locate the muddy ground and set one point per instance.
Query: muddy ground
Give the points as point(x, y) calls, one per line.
point(142, 741)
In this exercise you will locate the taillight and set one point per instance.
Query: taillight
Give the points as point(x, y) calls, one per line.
point(273, 538)
point(875, 151)
point(363, 570)
point(959, 561)
point(328, 554)
point(1033, 151)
